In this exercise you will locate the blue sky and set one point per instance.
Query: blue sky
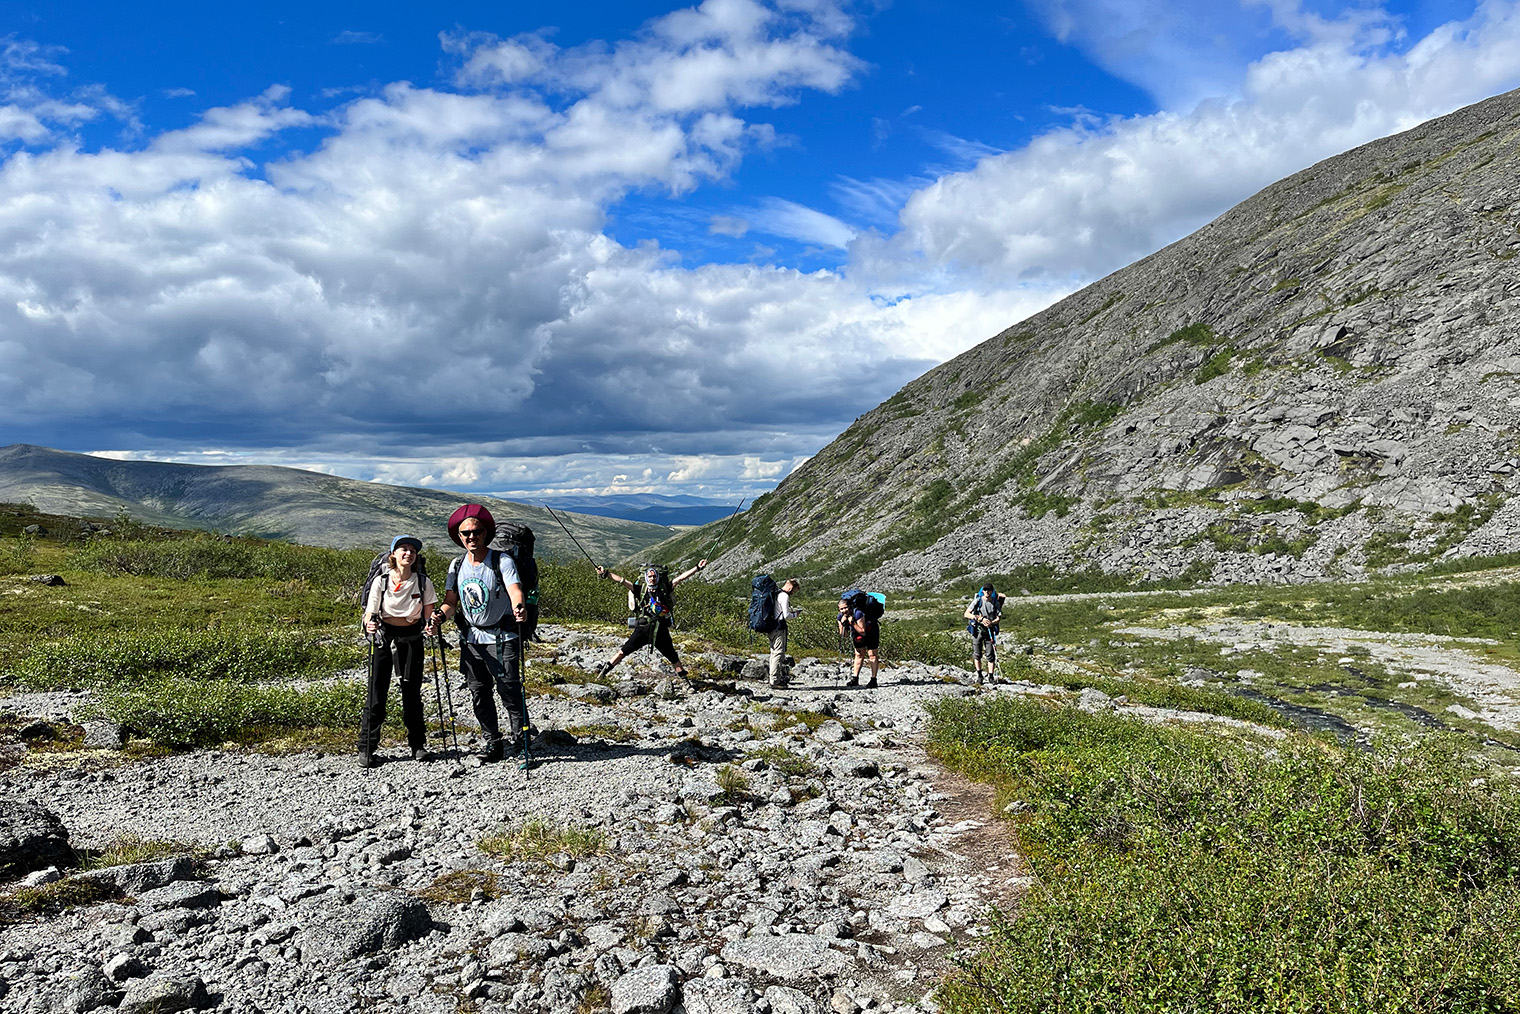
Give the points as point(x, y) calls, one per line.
point(621, 247)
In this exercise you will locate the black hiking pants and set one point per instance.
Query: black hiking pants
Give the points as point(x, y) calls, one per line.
point(485, 669)
point(399, 649)
point(657, 631)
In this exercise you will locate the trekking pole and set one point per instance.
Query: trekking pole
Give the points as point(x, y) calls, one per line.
point(453, 719)
point(722, 531)
point(572, 536)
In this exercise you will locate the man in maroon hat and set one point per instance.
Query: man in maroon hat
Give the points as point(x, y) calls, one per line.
point(484, 592)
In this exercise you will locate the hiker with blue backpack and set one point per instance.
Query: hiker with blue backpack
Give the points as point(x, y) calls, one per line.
point(770, 606)
point(654, 605)
point(483, 594)
point(860, 613)
point(982, 617)
point(398, 604)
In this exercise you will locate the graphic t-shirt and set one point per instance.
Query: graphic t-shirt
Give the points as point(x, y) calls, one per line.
point(483, 597)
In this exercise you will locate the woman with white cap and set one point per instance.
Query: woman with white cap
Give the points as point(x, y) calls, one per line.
point(398, 604)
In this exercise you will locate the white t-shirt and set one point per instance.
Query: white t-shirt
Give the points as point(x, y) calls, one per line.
point(784, 607)
point(399, 603)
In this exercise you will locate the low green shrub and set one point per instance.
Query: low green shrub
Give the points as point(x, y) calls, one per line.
point(180, 713)
point(201, 555)
point(1180, 871)
point(126, 658)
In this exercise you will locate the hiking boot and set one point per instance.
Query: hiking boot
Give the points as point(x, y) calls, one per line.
point(421, 754)
point(367, 760)
point(780, 683)
point(871, 683)
point(853, 681)
point(494, 750)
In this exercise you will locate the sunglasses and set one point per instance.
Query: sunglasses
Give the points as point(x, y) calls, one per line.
point(465, 533)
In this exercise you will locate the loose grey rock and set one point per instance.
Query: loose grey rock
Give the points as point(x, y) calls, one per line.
point(380, 921)
point(180, 894)
point(164, 994)
point(652, 989)
point(717, 996)
point(105, 735)
point(791, 957)
point(786, 1000)
point(31, 838)
point(136, 878)
point(121, 967)
point(87, 990)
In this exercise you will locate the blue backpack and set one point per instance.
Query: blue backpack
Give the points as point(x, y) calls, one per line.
point(762, 604)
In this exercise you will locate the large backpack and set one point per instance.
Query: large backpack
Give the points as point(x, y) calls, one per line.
point(381, 564)
point(872, 606)
point(762, 604)
point(979, 607)
point(656, 599)
point(517, 540)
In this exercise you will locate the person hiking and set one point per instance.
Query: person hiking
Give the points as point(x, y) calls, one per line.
point(484, 594)
point(397, 605)
point(653, 597)
point(779, 676)
point(984, 612)
point(865, 634)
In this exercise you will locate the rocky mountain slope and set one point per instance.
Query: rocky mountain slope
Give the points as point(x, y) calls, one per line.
point(1321, 382)
point(282, 503)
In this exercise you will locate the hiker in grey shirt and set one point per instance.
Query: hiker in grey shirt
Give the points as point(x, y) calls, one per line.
point(484, 591)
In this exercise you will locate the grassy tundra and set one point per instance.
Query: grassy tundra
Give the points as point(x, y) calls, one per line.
point(1264, 869)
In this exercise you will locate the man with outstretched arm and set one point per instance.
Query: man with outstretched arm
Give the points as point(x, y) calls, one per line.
point(654, 607)
point(484, 591)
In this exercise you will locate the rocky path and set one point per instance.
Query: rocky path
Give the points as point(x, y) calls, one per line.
point(760, 851)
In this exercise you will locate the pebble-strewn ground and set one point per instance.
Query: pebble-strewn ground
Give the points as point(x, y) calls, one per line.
point(848, 887)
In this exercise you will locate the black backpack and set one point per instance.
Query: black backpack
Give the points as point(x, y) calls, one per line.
point(381, 564)
point(762, 604)
point(517, 542)
point(657, 599)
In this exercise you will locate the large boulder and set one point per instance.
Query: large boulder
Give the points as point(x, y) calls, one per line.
point(383, 921)
point(652, 989)
point(31, 838)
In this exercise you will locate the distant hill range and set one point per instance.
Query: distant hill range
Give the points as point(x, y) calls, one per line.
point(284, 503)
point(652, 508)
point(1322, 382)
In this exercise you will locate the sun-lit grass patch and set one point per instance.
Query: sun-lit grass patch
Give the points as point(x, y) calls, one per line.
point(537, 839)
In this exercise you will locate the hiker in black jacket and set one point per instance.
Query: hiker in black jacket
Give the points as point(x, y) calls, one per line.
point(653, 598)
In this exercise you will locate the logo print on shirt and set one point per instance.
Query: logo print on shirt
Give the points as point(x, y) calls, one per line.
point(474, 598)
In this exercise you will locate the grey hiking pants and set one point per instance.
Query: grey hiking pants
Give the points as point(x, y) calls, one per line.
point(778, 650)
point(982, 638)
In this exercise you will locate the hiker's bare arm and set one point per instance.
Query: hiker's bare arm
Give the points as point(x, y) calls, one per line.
point(677, 580)
point(604, 572)
point(519, 607)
